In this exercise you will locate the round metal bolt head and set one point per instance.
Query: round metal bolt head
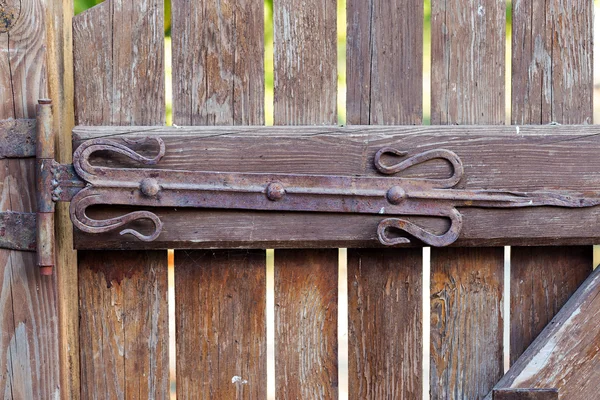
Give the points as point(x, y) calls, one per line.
point(396, 195)
point(149, 187)
point(275, 191)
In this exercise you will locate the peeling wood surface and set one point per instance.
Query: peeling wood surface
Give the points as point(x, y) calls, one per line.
point(29, 358)
point(385, 327)
point(119, 80)
point(551, 82)
point(306, 281)
point(218, 79)
point(565, 354)
point(498, 157)
point(221, 324)
point(467, 87)
point(306, 308)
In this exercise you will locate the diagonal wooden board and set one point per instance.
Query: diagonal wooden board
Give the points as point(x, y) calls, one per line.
point(565, 355)
point(528, 158)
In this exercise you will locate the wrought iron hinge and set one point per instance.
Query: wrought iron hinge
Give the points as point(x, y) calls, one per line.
point(84, 184)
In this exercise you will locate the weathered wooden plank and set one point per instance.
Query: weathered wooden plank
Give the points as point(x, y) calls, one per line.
point(119, 79)
point(123, 324)
point(525, 158)
point(467, 87)
point(384, 62)
point(60, 89)
point(218, 68)
point(306, 324)
point(565, 354)
point(29, 341)
point(466, 321)
point(551, 82)
point(221, 324)
point(385, 323)
point(305, 90)
point(385, 72)
point(542, 280)
point(218, 79)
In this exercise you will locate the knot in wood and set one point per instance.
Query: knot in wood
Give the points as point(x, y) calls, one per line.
point(9, 12)
point(149, 187)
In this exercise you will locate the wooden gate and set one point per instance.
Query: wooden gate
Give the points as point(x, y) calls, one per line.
point(99, 328)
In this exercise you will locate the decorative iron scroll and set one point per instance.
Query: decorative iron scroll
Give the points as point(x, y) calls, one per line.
point(395, 197)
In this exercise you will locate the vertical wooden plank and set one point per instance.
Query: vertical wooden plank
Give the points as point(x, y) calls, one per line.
point(218, 79)
point(220, 324)
point(305, 90)
point(60, 86)
point(385, 86)
point(552, 81)
point(467, 87)
point(29, 360)
point(119, 80)
point(385, 342)
point(306, 324)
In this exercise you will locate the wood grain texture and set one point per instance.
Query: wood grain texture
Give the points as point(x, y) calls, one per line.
point(466, 321)
point(385, 323)
point(306, 281)
point(119, 80)
point(551, 82)
point(467, 87)
point(565, 354)
point(305, 62)
point(29, 366)
point(467, 62)
point(306, 307)
point(494, 157)
point(218, 68)
point(218, 79)
point(59, 33)
point(123, 325)
point(221, 324)
point(118, 58)
point(542, 280)
point(384, 62)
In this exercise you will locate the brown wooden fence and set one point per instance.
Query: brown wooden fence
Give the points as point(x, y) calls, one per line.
point(99, 328)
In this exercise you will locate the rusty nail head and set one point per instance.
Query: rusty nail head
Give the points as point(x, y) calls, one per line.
point(275, 191)
point(396, 195)
point(149, 187)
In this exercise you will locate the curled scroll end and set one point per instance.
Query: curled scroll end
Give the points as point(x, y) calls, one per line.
point(161, 148)
point(158, 225)
point(416, 231)
point(385, 169)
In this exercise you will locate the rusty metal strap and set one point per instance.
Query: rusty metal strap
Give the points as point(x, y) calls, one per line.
point(18, 231)
point(17, 138)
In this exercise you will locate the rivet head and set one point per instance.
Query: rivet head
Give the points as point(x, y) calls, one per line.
point(149, 187)
point(396, 195)
point(275, 191)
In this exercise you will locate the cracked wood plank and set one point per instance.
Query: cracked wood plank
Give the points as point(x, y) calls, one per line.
point(551, 82)
point(467, 87)
point(218, 79)
point(306, 281)
point(385, 74)
point(29, 358)
point(119, 80)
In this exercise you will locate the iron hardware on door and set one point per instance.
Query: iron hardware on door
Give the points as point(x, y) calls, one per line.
point(387, 194)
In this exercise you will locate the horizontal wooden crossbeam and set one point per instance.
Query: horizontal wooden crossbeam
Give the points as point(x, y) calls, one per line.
point(505, 158)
